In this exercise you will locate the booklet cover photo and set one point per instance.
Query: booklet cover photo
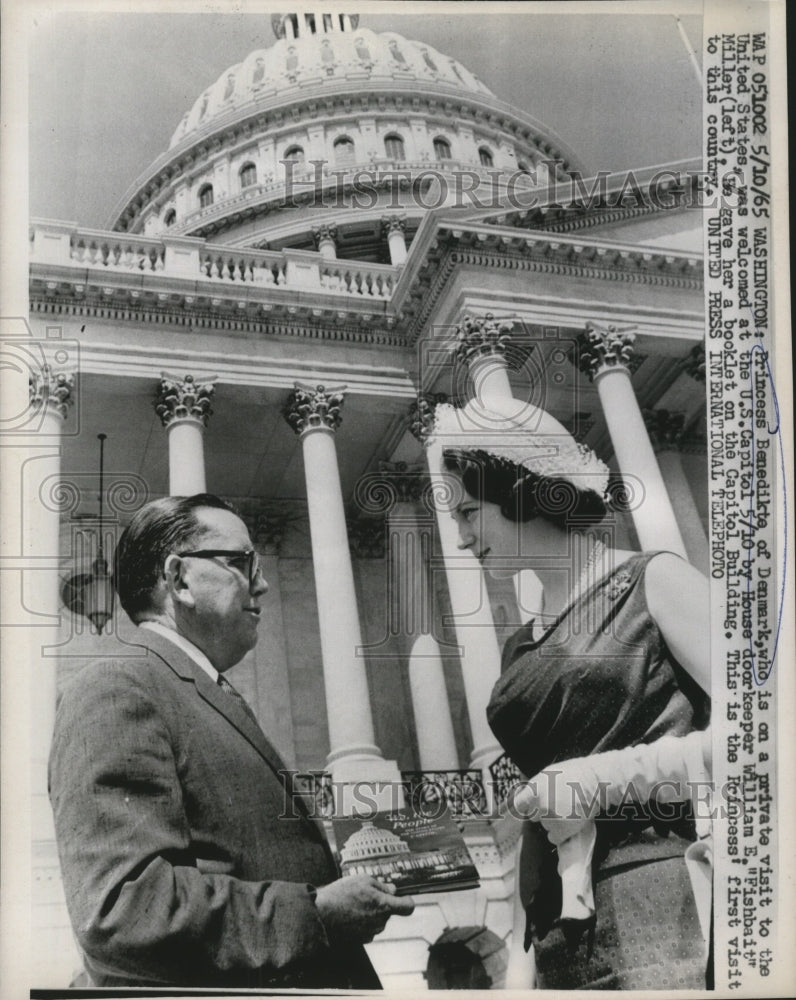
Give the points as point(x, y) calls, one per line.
point(417, 853)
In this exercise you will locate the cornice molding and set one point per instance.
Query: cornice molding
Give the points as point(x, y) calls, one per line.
point(187, 315)
point(394, 317)
point(546, 257)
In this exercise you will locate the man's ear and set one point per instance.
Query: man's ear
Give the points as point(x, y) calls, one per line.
point(176, 583)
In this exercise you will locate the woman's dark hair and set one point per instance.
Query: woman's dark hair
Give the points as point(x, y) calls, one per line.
point(158, 529)
point(522, 494)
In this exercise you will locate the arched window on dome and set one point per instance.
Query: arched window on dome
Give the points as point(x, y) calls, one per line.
point(327, 53)
point(169, 218)
point(343, 151)
point(248, 175)
point(485, 157)
point(327, 22)
point(429, 61)
point(230, 88)
point(442, 149)
point(203, 106)
point(295, 154)
point(394, 147)
point(291, 61)
point(259, 72)
point(206, 196)
point(363, 52)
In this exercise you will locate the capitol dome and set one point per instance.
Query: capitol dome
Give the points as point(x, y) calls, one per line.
point(331, 140)
point(371, 842)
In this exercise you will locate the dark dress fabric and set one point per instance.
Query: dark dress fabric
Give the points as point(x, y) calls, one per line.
point(602, 678)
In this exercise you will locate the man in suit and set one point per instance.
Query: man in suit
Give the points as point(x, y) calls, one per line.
point(185, 859)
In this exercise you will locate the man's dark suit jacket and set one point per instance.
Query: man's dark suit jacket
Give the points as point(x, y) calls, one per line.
point(177, 866)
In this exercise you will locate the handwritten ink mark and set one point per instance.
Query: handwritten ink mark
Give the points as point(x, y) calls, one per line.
point(760, 677)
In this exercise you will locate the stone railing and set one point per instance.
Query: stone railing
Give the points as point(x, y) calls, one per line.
point(359, 279)
point(259, 267)
point(464, 792)
point(130, 254)
point(504, 775)
point(63, 246)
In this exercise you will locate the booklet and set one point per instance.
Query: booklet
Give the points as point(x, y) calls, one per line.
point(417, 852)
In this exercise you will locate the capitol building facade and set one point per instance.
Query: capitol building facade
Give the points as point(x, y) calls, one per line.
point(346, 228)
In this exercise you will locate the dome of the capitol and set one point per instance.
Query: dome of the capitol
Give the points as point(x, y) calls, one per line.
point(320, 60)
point(372, 842)
point(278, 146)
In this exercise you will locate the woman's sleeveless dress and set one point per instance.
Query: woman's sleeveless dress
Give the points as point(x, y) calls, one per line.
point(602, 678)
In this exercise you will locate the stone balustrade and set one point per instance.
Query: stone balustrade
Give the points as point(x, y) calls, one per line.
point(354, 279)
point(128, 254)
point(61, 245)
point(464, 790)
point(257, 267)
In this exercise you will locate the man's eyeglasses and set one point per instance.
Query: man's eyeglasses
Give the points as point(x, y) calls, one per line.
point(245, 560)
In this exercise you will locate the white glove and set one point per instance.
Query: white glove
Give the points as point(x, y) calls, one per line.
point(566, 797)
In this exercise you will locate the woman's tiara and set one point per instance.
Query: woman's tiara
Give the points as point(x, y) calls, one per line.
point(523, 435)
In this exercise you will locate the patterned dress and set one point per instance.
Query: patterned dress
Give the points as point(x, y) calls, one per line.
point(602, 678)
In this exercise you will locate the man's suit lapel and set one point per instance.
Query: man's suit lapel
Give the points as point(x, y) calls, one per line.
point(228, 706)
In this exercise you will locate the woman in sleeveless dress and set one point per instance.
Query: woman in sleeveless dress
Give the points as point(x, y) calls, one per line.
point(615, 660)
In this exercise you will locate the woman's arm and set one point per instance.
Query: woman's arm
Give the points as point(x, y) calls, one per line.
point(678, 599)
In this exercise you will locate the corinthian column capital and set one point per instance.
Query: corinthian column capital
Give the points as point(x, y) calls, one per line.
point(666, 429)
point(409, 483)
point(421, 415)
point(604, 347)
point(186, 398)
point(51, 391)
point(482, 336)
point(314, 407)
point(324, 232)
point(393, 224)
point(694, 364)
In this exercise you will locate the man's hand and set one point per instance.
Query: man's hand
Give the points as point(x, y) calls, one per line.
point(357, 907)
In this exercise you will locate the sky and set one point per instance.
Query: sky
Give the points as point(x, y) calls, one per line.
point(107, 87)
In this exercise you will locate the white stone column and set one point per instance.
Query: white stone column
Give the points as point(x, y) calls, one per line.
point(410, 607)
point(604, 354)
point(314, 414)
point(44, 492)
point(393, 227)
point(666, 434)
point(473, 622)
point(51, 394)
point(325, 237)
point(183, 405)
point(481, 343)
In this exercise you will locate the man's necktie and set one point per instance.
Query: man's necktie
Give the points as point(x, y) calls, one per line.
point(233, 693)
